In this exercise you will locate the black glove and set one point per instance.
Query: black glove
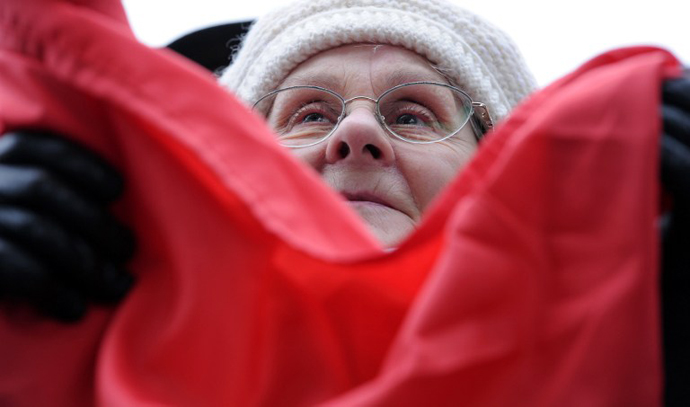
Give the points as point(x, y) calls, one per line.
point(675, 177)
point(59, 246)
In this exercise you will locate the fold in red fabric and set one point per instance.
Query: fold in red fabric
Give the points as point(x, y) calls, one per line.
point(531, 282)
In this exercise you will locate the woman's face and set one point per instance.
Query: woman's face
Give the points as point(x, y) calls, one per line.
point(387, 181)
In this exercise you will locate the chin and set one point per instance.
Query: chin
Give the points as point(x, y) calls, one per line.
point(388, 225)
point(390, 239)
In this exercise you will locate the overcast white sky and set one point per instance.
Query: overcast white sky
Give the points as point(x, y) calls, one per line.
point(555, 36)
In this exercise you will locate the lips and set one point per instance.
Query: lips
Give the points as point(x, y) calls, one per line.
point(365, 197)
point(371, 189)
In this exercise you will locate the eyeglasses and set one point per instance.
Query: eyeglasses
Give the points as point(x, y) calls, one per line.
point(416, 112)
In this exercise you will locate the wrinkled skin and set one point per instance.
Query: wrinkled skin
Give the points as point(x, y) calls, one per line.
point(387, 181)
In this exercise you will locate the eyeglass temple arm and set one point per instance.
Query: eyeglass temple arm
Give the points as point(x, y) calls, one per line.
point(482, 117)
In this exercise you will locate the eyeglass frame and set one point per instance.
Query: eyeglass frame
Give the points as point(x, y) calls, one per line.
point(479, 118)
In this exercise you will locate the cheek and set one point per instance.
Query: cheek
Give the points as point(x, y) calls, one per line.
point(312, 156)
point(429, 171)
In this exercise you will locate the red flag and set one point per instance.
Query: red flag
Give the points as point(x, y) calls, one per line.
point(531, 282)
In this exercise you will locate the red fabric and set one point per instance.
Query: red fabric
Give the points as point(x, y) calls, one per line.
point(532, 282)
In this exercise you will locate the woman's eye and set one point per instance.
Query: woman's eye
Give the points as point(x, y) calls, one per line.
point(408, 119)
point(313, 113)
point(314, 117)
point(409, 113)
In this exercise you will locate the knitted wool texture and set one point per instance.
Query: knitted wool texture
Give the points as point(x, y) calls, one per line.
point(475, 55)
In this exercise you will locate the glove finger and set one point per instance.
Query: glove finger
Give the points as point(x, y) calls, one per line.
point(38, 190)
point(21, 276)
point(677, 123)
point(675, 282)
point(675, 174)
point(677, 92)
point(47, 240)
point(66, 158)
point(112, 284)
point(24, 278)
point(62, 303)
point(72, 260)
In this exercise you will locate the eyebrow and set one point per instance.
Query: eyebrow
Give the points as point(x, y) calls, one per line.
point(324, 80)
point(335, 83)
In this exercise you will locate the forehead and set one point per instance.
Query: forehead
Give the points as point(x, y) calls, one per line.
point(376, 67)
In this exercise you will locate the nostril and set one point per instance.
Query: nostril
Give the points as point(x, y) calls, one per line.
point(373, 150)
point(343, 150)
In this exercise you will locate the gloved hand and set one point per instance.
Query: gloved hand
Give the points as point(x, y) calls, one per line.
point(675, 178)
point(59, 246)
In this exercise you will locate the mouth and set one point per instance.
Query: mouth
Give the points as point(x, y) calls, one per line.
point(365, 198)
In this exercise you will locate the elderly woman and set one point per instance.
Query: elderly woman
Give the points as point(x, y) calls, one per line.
point(386, 100)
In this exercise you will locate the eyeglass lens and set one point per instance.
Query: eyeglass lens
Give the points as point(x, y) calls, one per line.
point(419, 113)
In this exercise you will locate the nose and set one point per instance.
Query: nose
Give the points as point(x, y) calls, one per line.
point(360, 138)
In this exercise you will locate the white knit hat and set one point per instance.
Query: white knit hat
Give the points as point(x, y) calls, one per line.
point(477, 56)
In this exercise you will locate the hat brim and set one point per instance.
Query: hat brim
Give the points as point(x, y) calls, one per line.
point(211, 47)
